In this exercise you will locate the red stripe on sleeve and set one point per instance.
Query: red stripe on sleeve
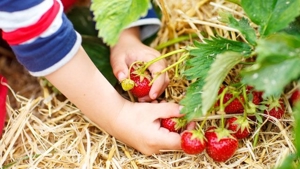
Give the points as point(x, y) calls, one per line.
point(26, 33)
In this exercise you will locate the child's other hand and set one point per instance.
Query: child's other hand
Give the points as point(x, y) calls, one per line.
point(138, 125)
point(130, 49)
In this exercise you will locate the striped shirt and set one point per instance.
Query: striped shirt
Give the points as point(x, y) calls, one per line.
point(42, 37)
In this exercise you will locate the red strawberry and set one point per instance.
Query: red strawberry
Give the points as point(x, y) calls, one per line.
point(173, 124)
point(193, 142)
point(220, 145)
point(3, 94)
point(234, 106)
point(295, 97)
point(239, 125)
point(141, 81)
point(275, 108)
point(256, 95)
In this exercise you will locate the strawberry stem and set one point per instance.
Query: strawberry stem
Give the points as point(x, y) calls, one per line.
point(182, 58)
point(161, 57)
point(131, 67)
point(222, 108)
point(246, 102)
point(175, 40)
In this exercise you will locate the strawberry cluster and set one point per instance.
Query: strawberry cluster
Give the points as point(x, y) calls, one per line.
point(244, 105)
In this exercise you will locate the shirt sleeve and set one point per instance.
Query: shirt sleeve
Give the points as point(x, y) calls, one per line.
point(149, 24)
point(39, 33)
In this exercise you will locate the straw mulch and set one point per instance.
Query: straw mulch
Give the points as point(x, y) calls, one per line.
point(46, 131)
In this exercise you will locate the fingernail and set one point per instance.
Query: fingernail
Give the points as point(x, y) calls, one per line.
point(154, 95)
point(180, 107)
point(121, 76)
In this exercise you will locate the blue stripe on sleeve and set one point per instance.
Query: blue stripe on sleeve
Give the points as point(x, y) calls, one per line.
point(17, 5)
point(151, 14)
point(45, 52)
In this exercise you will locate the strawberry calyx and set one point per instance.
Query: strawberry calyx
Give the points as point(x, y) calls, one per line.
point(273, 103)
point(180, 123)
point(241, 123)
point(222, 133)
point(198, 134)
point(136, 69)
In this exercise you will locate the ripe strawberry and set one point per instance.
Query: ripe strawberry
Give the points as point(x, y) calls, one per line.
point(3, 94)
point(220, 145)
point(239, 125)
point(141, 81)
point(174, 124)
point(295, 97)
point(193, 142)
point(233, 107)
point(275, 108)
point(256, 96)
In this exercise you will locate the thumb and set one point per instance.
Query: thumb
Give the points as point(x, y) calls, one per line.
point(120, 69)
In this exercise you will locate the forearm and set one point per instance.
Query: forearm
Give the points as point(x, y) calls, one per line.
point(82, 83)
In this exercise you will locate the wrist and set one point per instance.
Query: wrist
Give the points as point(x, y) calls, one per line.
point(130, 34)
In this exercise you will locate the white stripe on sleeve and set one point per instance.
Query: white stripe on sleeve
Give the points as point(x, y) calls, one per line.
point(11, 21)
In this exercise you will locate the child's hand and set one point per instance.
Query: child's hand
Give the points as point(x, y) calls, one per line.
point(130, 49)
point(138, 125)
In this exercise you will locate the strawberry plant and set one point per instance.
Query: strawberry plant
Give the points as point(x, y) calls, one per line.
point(266, 54)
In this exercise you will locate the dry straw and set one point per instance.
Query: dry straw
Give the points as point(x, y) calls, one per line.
point(44, 131)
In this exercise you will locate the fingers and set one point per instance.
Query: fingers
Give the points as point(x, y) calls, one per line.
point(169, 140)
point(161, 82)
point(166, 110)
point(119, 68)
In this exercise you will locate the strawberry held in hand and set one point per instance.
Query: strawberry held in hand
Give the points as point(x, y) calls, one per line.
point(174, 124)
point(239, 125)
point(139, 82)
point(193, 142)
point(220, 144)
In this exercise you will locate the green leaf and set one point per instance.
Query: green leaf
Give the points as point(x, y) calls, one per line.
point(192, 101)
point(217, 45)
point(115, 15)
point(216, 75)
point(203, 56)
point(289, 163)
point(99, 54)
point(271, 15)
point(296, 114)
point(276, 66)
point(293, 28)
point(242, 25)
